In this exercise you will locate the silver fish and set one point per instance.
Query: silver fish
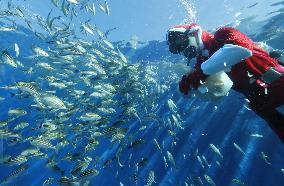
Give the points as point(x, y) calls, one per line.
point(87, 28)
point(157, 144)
point(209, 180)
point(73, 1)
point(65, 7)
point(205, 160)
point(19, 12)
point(238, 182)
point(151, 178)
point(90, 117)
point(102, 8)
point(171, 158)
point(17, 49)
point(88, 174)
point(17, 112)
point(42, 143)
point(165, 162)
point(81, 166)
point(265, 158)
point(93, 9)
point(200, 162)
point(106, 8)
point(239, 148)
point(218, 163)
point(107, 43)
point(48, 181)
point(27, 87)
point(55, 2)
point(8, 28)
point(172, 105)
point(257, 135)
point(14, 174)
point(216, 150)
point(52, 102)
point(21, 125)
point(67, 181)
point(18, 160)
point(8, 59)
point(39, 51)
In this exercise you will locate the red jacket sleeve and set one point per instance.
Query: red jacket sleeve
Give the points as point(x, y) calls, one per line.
point(259, 62)
point(228, 35)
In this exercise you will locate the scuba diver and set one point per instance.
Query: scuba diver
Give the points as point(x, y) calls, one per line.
point(255, 73)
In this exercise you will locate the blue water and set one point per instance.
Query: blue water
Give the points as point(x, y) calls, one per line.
point(146, 83)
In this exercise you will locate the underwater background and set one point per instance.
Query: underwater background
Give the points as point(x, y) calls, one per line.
point(88, 96)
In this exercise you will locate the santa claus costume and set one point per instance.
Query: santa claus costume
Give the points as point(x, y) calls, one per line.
point(253, 71)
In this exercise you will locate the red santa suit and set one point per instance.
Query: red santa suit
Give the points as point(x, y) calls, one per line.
point(253, 71)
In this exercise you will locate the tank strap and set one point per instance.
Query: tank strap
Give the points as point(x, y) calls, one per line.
point(281, 60)
point(280, 109)
point(271, 75)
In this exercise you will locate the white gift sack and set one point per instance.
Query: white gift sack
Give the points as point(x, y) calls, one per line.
point(215, 86)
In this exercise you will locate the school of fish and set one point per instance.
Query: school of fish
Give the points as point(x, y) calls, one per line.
point(83, 95)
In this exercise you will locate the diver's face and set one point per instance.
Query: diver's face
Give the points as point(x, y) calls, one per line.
point(192, 38)
point(183, 43)
point(191, 50)
point(177, 42)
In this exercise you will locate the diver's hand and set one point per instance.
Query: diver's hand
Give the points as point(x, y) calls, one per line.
point(192, 80)
point(184, 85)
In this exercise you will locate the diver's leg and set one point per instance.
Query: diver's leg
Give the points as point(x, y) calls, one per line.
point(278, 55)
point(266, 103)
point(274, 119)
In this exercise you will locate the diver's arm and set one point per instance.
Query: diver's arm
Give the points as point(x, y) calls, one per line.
point(225, 58)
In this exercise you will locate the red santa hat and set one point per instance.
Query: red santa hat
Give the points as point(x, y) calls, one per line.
point(189, 28)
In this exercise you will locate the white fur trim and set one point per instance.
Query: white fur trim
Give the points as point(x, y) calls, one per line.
point(182, 30)
point(199, 35)
point(224, 58)
point(194, 29)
